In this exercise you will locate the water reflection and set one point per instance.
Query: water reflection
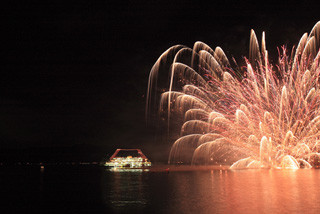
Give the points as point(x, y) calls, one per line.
point(125, 189)
point(213, 191)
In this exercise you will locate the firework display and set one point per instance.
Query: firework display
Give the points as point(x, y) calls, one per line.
point(262, 116)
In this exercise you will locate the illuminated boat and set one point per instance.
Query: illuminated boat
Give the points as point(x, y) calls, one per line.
point(128, 158)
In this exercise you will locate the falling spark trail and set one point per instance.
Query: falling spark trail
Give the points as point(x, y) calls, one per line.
point(269, 117)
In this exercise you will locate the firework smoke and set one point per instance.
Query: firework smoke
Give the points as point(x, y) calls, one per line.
point(266, 116)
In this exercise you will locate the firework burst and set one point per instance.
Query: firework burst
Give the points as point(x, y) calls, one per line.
point(265, 116)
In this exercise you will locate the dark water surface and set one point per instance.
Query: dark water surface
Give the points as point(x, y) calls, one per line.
point(94, 189)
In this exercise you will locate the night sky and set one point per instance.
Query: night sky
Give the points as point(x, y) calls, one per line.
point(75, 74)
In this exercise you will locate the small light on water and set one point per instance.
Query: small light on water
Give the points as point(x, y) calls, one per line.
point(41, 168)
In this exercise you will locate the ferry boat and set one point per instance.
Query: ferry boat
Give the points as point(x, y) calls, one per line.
point(128, 158)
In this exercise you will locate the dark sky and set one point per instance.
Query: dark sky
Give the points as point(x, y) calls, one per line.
point(76, 73)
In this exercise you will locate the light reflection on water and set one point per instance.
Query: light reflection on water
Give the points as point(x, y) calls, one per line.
point(212, 191)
